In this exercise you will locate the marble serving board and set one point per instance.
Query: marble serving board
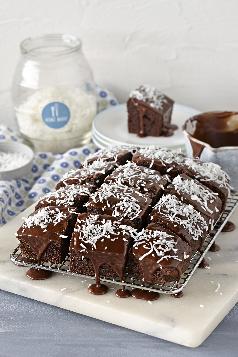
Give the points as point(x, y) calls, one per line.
point(209, 296)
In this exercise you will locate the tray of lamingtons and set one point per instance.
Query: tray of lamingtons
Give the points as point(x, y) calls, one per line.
point(141, 217)
point(129, 280)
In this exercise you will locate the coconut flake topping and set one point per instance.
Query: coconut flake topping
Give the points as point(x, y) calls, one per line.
point(196, 191)
point(150, 95)
point(157, 243)
point(183, 215)
point(44, 217)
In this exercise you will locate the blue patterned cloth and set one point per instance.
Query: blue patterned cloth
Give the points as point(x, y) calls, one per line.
point(47, 169)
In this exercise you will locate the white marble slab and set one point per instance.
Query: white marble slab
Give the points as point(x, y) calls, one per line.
point(188, 321)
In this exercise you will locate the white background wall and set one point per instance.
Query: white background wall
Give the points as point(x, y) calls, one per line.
point(188, 48)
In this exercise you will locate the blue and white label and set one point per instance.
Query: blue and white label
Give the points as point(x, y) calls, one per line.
point(56, 115)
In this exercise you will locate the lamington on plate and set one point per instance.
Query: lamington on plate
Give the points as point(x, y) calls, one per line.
point(149, 112)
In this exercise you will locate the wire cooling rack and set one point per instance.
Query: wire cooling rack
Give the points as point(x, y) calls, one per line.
point(166, 288)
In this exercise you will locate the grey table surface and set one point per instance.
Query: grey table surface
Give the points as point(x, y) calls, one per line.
point(31, 328)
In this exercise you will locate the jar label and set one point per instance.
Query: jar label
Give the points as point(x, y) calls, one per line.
point(56, 115)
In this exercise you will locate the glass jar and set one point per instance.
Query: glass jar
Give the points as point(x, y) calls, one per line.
point(54, 93)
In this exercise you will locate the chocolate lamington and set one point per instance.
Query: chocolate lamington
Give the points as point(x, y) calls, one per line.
point(45, 235)
point(144, 180)
point(192, 192)
point(163, 160)
point(149, 112)
point(73, 197)
point(99, 246)
point(182, 219)
point(125, 203)
point(118, 154)
point(93, 174)
point(210, 175)
point(158, 256)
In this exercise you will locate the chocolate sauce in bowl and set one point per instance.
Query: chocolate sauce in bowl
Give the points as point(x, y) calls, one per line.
point(229, 227)
point(145, 294)
point(38, 274)
point(218, 129)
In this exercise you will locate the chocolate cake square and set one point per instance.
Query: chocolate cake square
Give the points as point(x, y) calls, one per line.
point(181, 219)
point(124, 203)
point(99, 246)
point(210, 175)
point(93, 174)
point(163, 160)
point(73, 197)
point(119, 154)
point(158, 256)
point(144, 180)
point(192, 192)
point(45, 235)
point(149, 112)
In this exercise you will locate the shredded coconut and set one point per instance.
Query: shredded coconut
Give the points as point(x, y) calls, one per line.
point(44, 217)
point(12, 160)
point(165, 155)
point(182, 214)
point(152, 96)
point(157, 243)
point(198, 193)
point(209, 170)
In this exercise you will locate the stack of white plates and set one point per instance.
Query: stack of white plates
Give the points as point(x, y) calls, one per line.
point(110, 128)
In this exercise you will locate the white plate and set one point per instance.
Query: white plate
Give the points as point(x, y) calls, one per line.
point(110, 128)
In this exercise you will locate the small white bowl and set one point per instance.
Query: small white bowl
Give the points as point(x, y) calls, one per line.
point(20, 171)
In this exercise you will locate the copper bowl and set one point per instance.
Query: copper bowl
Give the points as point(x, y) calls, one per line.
point(213, 137)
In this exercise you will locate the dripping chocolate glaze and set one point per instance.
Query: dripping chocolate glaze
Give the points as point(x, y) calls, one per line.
point(218, 129)
point(38, 274)
point(229, 227)
point(204, 264)
point(145, 294)
point(123, 293)
point(214, 248)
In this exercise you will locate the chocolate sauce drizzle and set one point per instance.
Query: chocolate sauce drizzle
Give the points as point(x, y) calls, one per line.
point(145, 294)
point(214, 248)
point(38, 274)
point(204, 264)
point(178, 295)
point(123, 293)
point(229, 227)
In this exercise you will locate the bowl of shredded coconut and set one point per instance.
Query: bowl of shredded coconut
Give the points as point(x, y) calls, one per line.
point(15, 160)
